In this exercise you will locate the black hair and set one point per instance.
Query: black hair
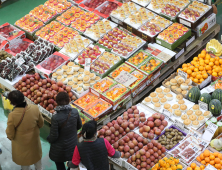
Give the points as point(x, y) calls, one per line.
point(16, 97)
point(62, 98)
point(89, 129)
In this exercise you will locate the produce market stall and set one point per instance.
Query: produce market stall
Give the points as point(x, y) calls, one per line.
point(146, 77)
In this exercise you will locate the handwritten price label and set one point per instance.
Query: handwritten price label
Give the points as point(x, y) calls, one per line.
point(182, 74)
point(203, 105)
point(209, 132)
point(125, 78)
point(179, 124)
point(167, 113)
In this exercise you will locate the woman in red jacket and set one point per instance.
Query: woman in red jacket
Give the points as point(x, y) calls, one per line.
point(93, 152)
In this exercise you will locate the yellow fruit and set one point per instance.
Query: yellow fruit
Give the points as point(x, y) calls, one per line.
point(214, 74)
point(206, 61)
point(195, 80)
point(195, 59)
point(212, 60)
point(193, 165)
point(184, 65)
point(189, 71)
point(211, 64)
point(196, 69)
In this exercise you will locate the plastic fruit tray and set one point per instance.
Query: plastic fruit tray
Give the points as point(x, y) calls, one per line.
point(138, 58)
point(103, 85)
point(58, 6)
point(97, 109)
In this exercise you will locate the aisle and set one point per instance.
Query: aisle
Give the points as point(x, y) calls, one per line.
point(6, 162)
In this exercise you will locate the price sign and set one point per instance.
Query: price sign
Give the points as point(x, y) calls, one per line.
point(19, 61)
point(125, 78)
point(210, 167)
point(203, 105)
point(182, 74)
point(167, 113)
point(179, 124)
point(106, 120)
point(209, 132)
point(118, 161)
point(87, 64)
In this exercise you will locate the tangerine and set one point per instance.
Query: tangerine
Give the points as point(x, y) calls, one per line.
point(206, 153)
point(193, 165)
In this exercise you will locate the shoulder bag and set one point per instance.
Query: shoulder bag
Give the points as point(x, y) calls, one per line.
point(64, 123)
point(21, 118)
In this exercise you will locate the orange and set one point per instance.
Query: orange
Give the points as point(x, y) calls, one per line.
point(220, 61)
point(216, 63)
point(218, 166)
point(198, 159)
point(202, 167)
point(195, 59)
point(207, 56)
point(205, 75)
point(192, 67)
point(201, 68)
point(194, 74)
point(211, 64)
point(193, 62)
point(193, 165)
point(217, 69)
point(201, 80)
point(212, 157)
point(179, 69)
point(209, 71)
point(201, 55)
point(214, 74)
point(189, 168)
point(216, 154)
point(198, 76)
point(203, 162)
point(191, 78)
point(189, 71)
point(212, 162)
point(184, 65)
point(206, 61)
point(217, 160)
point(207, 159)
point(208, 67)
point(220, 156)
point(217, 58)
point(202, 156)
point(221, 162)
point(197, 168)
point(196, 69)
point(185, 69)
point(206, 153)
point(195, 80)
point(212, 60)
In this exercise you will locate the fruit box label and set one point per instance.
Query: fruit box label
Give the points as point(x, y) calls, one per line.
point(209, 132)
point(182, 74)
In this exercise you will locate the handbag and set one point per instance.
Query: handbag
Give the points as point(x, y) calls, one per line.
point(21, 118)
point(64, 123)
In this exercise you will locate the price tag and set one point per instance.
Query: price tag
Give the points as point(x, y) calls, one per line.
point(210, 167)
point(167, 113)
point(210, 89)
point(130, 167)
point(203, 105)
point(106, 120)
point(125, 78)
point(117, 161)
point(209, 132)
point(19, 61)
point(179, 124)
point(87, 64)
point(182, 74)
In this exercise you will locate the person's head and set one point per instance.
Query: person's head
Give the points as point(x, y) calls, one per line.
point(62, 98)
point(16, 97)
point(89, 129)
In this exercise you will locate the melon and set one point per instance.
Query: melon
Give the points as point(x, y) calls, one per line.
point(194, 94)
point(217, 94)
point(205, 97)
point(215, 107)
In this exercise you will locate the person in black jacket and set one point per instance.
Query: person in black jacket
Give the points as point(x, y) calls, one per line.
point(93, 152)
point(63, 133)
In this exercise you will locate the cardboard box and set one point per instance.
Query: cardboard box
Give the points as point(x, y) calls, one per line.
point(152, 77)
point(15, 35)
point(209, 22)
point(193, 25)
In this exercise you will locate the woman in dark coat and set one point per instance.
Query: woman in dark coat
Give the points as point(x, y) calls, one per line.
point(63, 133)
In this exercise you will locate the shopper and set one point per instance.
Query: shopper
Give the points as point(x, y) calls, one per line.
point(93, 152)
point(23, 127)
point(63, 133)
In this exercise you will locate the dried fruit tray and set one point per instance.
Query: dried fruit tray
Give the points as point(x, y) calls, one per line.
point(174, 127)
point(151, 65)
point(138, 58)
point(85, 100)
point(122, 67)
point(98, 109)
point(103, 85)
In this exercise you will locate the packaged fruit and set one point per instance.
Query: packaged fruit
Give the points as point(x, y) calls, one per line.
point(104, 62)
point(140, 76)
point(99, 29)
point(9, 32)
point(151, 65)
point(29, 23)
point(123, 67)
point(106, 8)
point(90, 5)
point(58, 5)
point(92, 52)
point(103, 85)
point(170, 10)
point(138, 58)
point(122, 12)
point(50, 30)
point(116, 92)
point(84, 101)
point(173, 33)
point(194, 11)
point(170, 162)
point(43, 13)
point(96, 109)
